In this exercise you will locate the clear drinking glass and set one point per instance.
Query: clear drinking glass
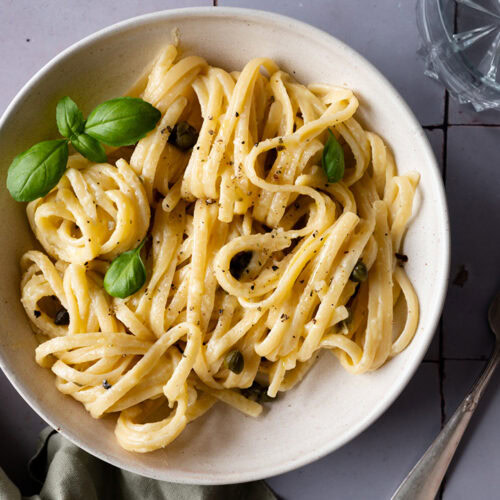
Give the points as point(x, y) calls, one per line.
point(462, 48)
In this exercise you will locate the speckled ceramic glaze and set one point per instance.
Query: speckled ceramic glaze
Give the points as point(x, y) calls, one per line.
point(330, 406)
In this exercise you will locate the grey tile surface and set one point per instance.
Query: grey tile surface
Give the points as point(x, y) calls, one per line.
point(464, 114)
point(34, 31)
point(474, 472)
point(473, 191)
point(19, 428)
point(383, 31)
point(371, 466)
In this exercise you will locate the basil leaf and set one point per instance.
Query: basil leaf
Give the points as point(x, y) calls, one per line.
point(126, 274)
point(89, 147)
point(69, 118)
point(122, 121)
point(332, 160)
point(35, 172)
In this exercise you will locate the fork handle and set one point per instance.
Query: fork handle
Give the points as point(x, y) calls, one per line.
point(424, 480)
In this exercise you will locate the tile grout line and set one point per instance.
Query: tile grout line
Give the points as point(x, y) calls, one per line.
point(491, 125)
point(473, 360)
point(445, 127)
point(442, 127)
point(433, 127)
point(466, 359)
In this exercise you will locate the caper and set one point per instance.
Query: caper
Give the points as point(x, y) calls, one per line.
point(257, 392)
point(62, 317)
point(234, 361)
point(359, 273)
point(184, 136)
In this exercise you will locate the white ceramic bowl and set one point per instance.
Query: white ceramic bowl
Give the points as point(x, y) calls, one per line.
point(330, 407)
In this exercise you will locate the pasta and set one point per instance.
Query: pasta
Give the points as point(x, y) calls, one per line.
point(250, 252)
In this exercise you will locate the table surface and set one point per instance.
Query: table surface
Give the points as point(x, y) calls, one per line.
point(466, 144)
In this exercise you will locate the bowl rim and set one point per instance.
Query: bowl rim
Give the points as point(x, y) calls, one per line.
point(318, 35)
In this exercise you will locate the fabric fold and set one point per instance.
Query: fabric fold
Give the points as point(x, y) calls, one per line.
point(66, 472)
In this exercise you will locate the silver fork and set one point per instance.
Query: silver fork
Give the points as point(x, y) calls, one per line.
point(424, 480)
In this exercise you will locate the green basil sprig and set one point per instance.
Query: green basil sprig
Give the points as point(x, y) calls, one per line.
point(126, 274)
point(89, 147)
point(35, 172)
point(332, 160)
point(69, 118)
point(117, 122)
point(122, 121)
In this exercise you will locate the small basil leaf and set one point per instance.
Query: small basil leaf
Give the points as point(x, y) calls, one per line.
point(122, 121)
point(35, 172)
point(126, 274)
point(332, 160)
point(89, 147)
point(69, 118)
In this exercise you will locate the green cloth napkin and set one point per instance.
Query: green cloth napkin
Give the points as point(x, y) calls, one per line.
point(65, 472)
